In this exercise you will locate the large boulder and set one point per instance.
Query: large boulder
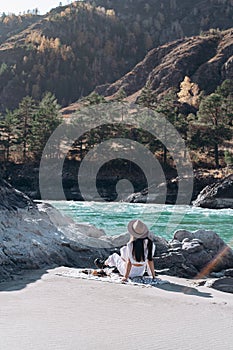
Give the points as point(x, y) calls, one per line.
point(170, 187)
point(217, 196)
point(192, 254)
point(224, 284)
point(34, 236)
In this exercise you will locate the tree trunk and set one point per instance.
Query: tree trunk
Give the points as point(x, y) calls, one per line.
point(216, 155)
point(164, 155)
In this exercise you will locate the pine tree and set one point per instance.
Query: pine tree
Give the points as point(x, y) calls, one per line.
point(8, 130)
point(94, 99)
point(45, 121)
point(120, 95)
point(147, 97)
point(211, 114)
point(166, 106)
point(25, 114)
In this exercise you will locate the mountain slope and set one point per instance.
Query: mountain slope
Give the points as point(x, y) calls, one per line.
point(77, 47)
point(166, 20)
point(207, 60)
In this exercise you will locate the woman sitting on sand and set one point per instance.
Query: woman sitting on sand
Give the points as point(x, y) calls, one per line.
point(135, 256)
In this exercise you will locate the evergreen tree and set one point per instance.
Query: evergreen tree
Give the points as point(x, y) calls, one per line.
point(228, 158)
point(45, 121)
point(226, 88)
point(8, 128)
point(147, 97)
point(94, 99)
point(212, 115)
point(25, 114)
point(167, 107)
point(226, 91)
point(120, 95)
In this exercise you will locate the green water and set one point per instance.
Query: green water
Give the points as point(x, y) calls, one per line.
point(163, 220)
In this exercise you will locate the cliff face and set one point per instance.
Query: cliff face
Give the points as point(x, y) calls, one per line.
point(207, 60)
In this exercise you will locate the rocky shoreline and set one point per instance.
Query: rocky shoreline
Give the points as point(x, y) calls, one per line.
point(218, 194)
point(35, 236)
point(205, 183)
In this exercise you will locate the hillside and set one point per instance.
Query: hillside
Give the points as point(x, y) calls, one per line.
point(207, 60)
point(12, 25)
point(76, 47)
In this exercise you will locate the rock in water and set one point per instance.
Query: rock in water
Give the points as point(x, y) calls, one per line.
point(217, 196)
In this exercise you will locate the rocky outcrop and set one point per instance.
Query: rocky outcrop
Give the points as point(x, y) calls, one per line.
point(217, 196)
point(33, 239)
point(207, 60)
point(193, 254)
point(12, 199)
point(34, 236)
point(171, 188)
point(197, 254)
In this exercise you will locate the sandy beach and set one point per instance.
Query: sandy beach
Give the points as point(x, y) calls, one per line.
point(45, 311)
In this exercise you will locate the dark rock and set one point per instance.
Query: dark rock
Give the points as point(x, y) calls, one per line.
point(192, 247)
point(32, 239)
point(200, 283)
point(170, 187)
point(209, 239)
point(161, 245)
point(218, 252)
point(169, 260)
point(13, 199)
point(224, 284)
point(217, 274)
point(188, 270)
point(190, 254)
point(199, 259)
point(217, 196)
point(228, 273)
point(173, 244)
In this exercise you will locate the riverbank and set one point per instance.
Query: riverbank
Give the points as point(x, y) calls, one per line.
point(25, 178)
point(42, 310)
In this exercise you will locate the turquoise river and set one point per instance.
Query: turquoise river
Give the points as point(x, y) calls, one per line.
point(163, 220)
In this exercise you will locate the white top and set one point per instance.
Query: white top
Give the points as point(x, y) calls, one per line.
point(130, 252)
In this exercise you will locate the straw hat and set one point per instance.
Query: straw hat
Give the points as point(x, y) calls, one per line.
point(138, 229)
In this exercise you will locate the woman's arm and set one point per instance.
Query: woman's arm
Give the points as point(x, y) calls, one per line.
point(127, 271)
point(152, 267)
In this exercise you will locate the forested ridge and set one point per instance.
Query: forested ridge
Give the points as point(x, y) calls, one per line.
point(76, 47)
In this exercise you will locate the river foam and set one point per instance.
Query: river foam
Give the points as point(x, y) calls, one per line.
point(163, 220)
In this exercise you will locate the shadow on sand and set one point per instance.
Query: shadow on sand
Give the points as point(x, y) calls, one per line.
point(179, 288)
point(20, 281)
